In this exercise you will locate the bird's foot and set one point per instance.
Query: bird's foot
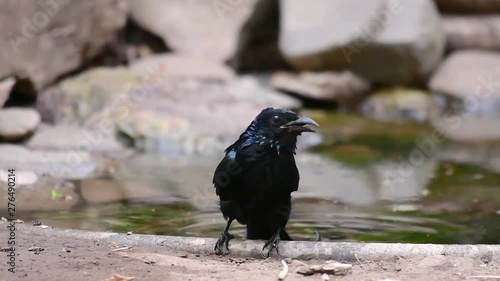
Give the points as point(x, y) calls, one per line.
point(271, 244)
point(222, 245)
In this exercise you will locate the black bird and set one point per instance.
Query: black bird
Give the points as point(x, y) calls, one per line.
point(257, 175)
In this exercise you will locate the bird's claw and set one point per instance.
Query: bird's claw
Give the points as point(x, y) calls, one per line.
point(222, 245)
point(271, 244)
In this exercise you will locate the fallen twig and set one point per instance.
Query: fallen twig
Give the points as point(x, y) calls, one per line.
point(329, 268)
point(284, 271)
point(356, 256)
point(121, 249)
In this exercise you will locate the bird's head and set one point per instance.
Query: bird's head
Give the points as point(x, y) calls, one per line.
point(280, 127)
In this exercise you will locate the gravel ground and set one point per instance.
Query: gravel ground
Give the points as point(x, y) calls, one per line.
point(74, 258)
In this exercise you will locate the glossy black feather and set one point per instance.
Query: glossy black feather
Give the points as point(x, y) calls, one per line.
point(257, 175)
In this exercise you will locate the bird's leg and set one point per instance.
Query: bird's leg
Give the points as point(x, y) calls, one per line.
point(222, 245)
point(272, 243)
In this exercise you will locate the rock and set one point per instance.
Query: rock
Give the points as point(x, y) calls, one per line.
point(151, 192)
point(248, 88)
point(47, 39)
point(467, 83)
point(470, 77)
point(151, 131)
point(404, 36)
point(203, 29)
point(74, 164)
point(74, 99)
point(178, 66)
point(101, 191)
point(398, 105)
point(38, 196)
point(331, 87)
point(468, 130)
point(164, 103)
point(258, 39)
point(5, 89)
point(196, 123)
point(469, 6)
point(472, 32)
point(17, 123)
point(65, 137)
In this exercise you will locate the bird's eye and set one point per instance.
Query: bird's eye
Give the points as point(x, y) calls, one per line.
point(276, 119)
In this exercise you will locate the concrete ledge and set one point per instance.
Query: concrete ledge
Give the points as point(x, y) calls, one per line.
point(304, 250)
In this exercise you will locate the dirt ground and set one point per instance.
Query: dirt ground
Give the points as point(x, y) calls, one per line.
point(86, 259)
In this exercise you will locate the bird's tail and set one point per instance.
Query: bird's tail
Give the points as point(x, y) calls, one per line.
point(284, 235)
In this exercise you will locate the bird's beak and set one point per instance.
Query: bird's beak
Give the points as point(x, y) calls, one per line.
point(300, 125)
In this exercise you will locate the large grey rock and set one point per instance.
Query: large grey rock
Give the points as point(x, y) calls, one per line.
point(69, 164)
point(398, 105)
point(182, 67)
point(384, 41)
point(472, 32)
point(67, 138)
point(469, 83)
point(204, 29)
point(154, 131)
point(334, 87)
point(76, 98)
point(468, 73)
point(164, 103)
point(5, 89)
point(190, 116)
point(45, 39)
point(17, 123)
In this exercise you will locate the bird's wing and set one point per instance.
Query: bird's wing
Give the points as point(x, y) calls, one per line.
point(231, 172)
point(246, 165)
point(227, 172)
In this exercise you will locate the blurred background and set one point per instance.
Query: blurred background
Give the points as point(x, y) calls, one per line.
point(115, 113)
